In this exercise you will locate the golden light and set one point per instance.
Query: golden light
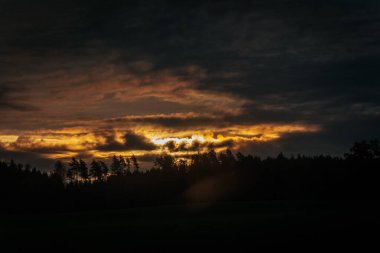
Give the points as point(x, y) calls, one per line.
point(162, 141)
point(70, 142)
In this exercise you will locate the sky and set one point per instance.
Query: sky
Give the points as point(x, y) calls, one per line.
point(93, 79)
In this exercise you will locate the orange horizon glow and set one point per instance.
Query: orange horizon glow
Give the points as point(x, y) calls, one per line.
point(70, 142)
point(164, 112)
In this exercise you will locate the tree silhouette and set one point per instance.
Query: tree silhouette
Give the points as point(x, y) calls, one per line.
point(96, 170)
point(73, 171)
point(116, 167)
point(123, 166)
point(238, 177)
point(227, 160)
point(59, 170)
point(28, 168)
point(364, 150)
point(182, 166)
point(128, 165)
point(105, 169)
point(83, 170)
point(166, 163)
point(135, 163)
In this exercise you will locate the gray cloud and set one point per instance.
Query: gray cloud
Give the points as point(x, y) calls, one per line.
point(172, 146)
point(336, 139)
point(26, 157)
point(138, 142)
point(9, 102)
point(294, 61)
point(131, 141)
point(177, 121)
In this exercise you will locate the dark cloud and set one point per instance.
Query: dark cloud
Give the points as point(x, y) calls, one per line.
point(25, 143)
point(222, 144)
point(179, 121)
point(17, 106)
point(336, 139)
point(111, 145)
point(131, 141)
point(36, 148)
point(312, 62)
point(26, 157)
point(8, 102)
point(134, 141)
point(173, 146)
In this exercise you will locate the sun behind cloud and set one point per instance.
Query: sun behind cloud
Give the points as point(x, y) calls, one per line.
point(146, 139)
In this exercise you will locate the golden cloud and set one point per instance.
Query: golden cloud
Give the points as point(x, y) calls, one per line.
point(65, 143)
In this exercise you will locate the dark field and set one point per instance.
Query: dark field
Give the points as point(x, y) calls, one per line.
point(234, 226)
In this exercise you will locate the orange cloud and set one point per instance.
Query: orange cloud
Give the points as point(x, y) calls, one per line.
point(146, 140)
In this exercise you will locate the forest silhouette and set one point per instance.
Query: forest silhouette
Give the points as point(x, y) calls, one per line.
point(205, 177)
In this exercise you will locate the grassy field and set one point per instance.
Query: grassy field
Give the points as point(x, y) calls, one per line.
point(237, 227)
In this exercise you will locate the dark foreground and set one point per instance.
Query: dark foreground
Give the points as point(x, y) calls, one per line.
point(235, 226)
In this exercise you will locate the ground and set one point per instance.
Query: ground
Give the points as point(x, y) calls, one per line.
point(234, 226)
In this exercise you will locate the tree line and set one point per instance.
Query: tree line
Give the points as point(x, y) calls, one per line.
point(77, 170)
point(207, 176)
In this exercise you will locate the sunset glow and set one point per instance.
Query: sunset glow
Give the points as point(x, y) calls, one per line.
point(89, 142)
point(146, 80)
point(160, 126)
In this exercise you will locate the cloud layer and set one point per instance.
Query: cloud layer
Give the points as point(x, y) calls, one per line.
point(93, 78)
